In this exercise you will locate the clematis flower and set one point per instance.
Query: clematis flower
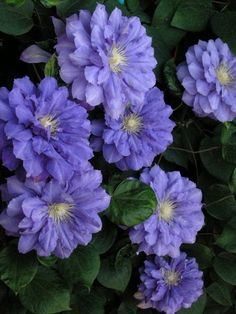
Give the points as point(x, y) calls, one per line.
point(138, 136)
point(106, 59)
point(209, 79)
point(178, 217)
point(34, 54)
point(52, 217)
point(46, 130)
point(169, 285)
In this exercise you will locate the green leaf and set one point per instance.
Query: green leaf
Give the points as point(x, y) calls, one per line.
point(17, 3)
point(220, 202)
point(68, 7)
point(202, 253)
point(226, 269)
point(51, 67)
point(82, 266)
point(192, 15)
point(213, 161)
point(224, 26)
point(16, 20)
point(197, 307)
point(162, 17)
point(220, 293)
point(228, 140)
point(227, 240)
point(128, 306)
point(17, 270)
point(132, 202)
point(171, 79)
point(162, 51)
point(88, 303)
point(47, 261)
point(103, 240)
point(46, 294)
point(115, 271)
point(51, 3)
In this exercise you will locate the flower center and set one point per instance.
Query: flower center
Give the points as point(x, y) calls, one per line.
point(60, 211)
point(132, 123)
point(166, 210)
point(223, 74)
point(171, 277)
point(117, 59)
point(49, 121)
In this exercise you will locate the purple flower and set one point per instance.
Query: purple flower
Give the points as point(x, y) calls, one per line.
point(107, 59)
point(169, 284)
point(141, 133)
point(178, 217)
point(52, 217)
point(8, 158)
point(34, 54)
point(209, 79)
point(48, 132)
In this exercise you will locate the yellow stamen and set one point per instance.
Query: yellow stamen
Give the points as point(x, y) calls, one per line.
point(171, 277)
point(60, 211)
point(117, 59)
point(223, 74)
point(166, 210)
point(132, 123)
point(49, 121)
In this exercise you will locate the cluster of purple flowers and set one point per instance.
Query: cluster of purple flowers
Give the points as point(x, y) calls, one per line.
point(169, 280)
point(55, 197)
point(54, 201)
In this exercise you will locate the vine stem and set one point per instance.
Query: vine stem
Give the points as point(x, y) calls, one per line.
point(195, 152)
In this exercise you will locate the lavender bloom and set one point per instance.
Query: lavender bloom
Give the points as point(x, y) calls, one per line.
point(169, 285)
point(52, 217)
point(107, 59)
point(141, 133)
point(48, 132)
point(209, 79)
point(178, 217)
point(34, 54)
point(8, 158)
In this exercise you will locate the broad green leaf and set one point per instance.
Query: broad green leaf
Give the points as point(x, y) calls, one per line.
point(224, 26)
point(171, 79)
point(51, 3)
point(226, 269)
point(228, 140)
point(103, 240)
point(162, 51)
point(115, 272)
point(17, 3)
point(51, 67)
point(212, 159)
point(192, 15)
point(47, 261)
point(202, 253)
point(162, 17)
point(132, 203)
point(220, 293)
point(16, 20)
point(68, 7)
point(197, 307)
point(86, 302)
point(82, 266)
point(128, 306)
point(17, 270)
point(227, 240)
point(220, 202)
point(46, 294)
